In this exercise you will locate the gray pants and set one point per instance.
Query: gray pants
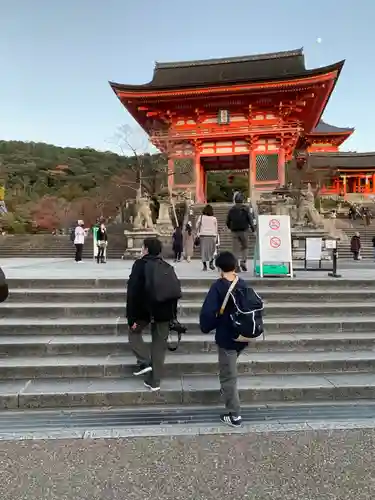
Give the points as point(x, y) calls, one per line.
point(240, 243)
point(159, 337)
point(228, 380)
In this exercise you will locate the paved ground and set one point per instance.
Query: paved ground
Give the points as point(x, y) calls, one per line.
point(315, 465)
point(63, 268)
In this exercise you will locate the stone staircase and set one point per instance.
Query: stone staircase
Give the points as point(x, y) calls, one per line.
point(51, 246)
point(63, 344)
point(349, 227)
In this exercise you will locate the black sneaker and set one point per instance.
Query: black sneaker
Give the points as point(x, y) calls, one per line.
point(142, 369)
point(152, 387)
point(230, 420)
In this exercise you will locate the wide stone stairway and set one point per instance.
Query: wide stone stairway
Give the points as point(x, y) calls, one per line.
point(63, 345)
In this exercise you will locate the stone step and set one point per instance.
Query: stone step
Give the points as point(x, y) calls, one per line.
point(185, 390)
point(105, 295)
point(186, 309)
point(178, 365)
point(203, 280)
point(113, 325)
point(104, 345)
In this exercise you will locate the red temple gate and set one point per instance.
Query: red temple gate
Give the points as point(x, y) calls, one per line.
point(247, 113)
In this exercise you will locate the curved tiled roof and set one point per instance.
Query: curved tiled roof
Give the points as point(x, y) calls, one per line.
point(326, 128)
point(344, 160)
point(254, 68)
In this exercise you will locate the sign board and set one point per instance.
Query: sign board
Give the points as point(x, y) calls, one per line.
point(274, 246)
point(330, 244)
point(313, 248)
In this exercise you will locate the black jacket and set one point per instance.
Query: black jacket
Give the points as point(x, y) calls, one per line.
point(239, 218)
point(101, 235)
point(138, 305)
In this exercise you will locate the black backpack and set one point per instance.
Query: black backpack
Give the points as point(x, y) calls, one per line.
point(247, 315)
point(161, 282)
point(4, 289)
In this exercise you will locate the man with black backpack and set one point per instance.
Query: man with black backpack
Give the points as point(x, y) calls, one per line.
point(152, 296)
point(234, 311)
point(239, 221)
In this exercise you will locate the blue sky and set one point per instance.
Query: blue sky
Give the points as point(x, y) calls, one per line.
point(58, 55)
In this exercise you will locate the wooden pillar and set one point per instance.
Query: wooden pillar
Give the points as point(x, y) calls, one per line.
point(344, 184)
point(170, 174)
point(373, 183)
point(281, 166)
point(367, 184)
point(199, 196)
point(252, 165)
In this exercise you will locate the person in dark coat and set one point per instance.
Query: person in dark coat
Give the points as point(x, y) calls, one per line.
point(102, 242)
point(177, 243)
point(141, 312)
point(355, 246)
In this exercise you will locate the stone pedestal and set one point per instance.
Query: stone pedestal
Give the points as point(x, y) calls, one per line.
point(164, 217)
point(164, 225)
point(134, 241)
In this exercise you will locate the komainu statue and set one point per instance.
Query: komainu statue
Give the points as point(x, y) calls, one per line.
point(143, 214)
point(307, 209)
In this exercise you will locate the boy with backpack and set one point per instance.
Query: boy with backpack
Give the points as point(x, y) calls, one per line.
point(234, 311)
point(152, 296)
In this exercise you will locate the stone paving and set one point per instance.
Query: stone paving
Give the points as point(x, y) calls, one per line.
point(63, 268)
point(303, 465)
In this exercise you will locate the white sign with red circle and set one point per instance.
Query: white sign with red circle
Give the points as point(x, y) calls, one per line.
point(274, 239)
point(274, 224)
point(275, 242)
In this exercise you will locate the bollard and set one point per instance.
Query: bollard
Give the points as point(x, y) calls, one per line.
point(334, 274)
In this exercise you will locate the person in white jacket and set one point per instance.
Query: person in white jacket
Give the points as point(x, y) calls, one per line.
point(79, 240)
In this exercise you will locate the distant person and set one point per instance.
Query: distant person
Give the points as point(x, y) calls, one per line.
point(152, 296)
point(188, 240)
point(373, 246)
point(239, 221)
point(207, 233)
point(227, 305)
point(368, 216)
point(79, 240)
point(102, 243)
point(177, 244)
point(355, 246)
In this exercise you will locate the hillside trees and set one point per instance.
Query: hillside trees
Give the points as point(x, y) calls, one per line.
point(49, 187)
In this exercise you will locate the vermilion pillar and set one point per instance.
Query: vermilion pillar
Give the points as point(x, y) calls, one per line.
point(252, 170)
point(170, 174)
point(373, 183)
point(281, 166)
point(199, 180)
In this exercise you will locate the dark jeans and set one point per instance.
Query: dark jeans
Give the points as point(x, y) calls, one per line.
point(100, 256)
point(155, 356)
point(177, 255)
point(79, 251)
point(355, 255)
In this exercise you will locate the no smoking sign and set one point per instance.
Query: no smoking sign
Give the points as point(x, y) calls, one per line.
point(274, 224)
point(275, 242)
